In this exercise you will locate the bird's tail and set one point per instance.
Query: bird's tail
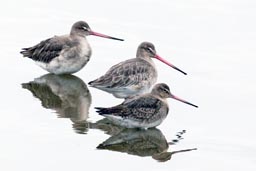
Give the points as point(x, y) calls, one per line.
point(107, 111)
point(101, 82)
point(25, 52)
point(94, 83)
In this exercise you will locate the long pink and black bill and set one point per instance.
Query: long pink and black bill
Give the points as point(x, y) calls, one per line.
point(169, 64)
point(105, 36)
point(181, 100)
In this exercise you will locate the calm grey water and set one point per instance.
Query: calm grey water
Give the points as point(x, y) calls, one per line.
point(54, 125)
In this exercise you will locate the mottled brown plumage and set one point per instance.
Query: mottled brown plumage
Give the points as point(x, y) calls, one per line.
point(48, 49)
point(144, 111)
point(64, 54)
point(131, 77)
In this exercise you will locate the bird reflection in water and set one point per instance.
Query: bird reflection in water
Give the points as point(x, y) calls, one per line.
point(139, 142)
point(68, 95)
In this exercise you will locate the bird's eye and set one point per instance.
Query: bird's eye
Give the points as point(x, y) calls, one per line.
point(166, 91)
point(85, 28)
point(150, 50)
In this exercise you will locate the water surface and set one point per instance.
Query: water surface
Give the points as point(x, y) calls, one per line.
point(48, 122)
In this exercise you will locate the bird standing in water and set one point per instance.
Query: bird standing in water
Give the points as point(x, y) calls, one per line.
point(64, 54)
point(144, 111)
point(134, 76)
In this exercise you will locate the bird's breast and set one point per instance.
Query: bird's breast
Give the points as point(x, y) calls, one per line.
point(84, 49)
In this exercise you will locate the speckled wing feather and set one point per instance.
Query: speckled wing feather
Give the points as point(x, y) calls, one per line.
point(140, 108)
point(46, 50)
point(130, 72)
point(143, 107)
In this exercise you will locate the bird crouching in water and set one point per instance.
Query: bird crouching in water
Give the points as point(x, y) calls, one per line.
point(144, 111)
point(134, 76)
point(64, 54)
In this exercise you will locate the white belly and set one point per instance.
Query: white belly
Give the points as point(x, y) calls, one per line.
point(70, 61)
point(133, 124)
point(130, 91)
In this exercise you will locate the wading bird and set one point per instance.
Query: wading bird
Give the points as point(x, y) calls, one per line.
point(64, 54)
point(133, 76)
point(143, 111)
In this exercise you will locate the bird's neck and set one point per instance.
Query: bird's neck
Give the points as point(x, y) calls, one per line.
point(148, 59)
point(155, 93)
point(158, 95)
point(74, 34)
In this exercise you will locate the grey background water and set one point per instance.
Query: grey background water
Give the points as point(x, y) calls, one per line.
point(214, 41)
